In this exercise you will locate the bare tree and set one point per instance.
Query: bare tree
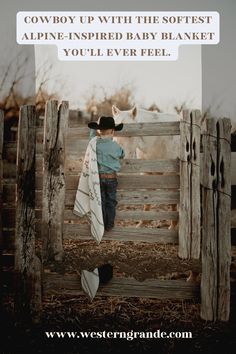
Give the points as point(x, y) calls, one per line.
point(122, 97)
point(12, 94)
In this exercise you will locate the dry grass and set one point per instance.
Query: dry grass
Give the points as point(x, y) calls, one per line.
point(139, 260)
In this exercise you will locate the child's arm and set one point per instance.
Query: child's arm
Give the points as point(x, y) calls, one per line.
point(92, 134)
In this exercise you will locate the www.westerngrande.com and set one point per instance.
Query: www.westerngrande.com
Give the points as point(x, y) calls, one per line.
point(120, 335)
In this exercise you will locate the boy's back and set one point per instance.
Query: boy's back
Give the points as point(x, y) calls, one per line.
point(108, 154)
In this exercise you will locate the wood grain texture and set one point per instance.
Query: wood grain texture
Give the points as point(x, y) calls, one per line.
point(195, 237)
point(209, 223)
point(150, 235)
point(137, 214)
point(134, 129)
point(127, 287)
point(216, 244)
point(189, 225)
point(184, 205)
point(53, 181)
point(126, 182)
point(74, 165)
point(128, 197)
point(28, 282)
point(25, 207)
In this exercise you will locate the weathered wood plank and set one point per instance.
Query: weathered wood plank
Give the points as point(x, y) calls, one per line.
point(185, 186)
point(76, 118)
point(195, 236)
point(126, 197)
point(189, 226)
point(28, 284)
point(224, 220)
point(10, 151)
point(135, 129)
point(74, 165)
point(25, 207)
point(76, 147)
point(53, 181)
point(139, 166)
point(9, 181)
point(138, 214)
point(127, 182)
point(151, 235)
point(209, 225)
point(127, 287)
point(9, 169)
point(216, 255)
point(134, 215)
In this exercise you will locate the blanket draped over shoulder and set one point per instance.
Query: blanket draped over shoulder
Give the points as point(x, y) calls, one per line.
point(88, 195)
point(88, 203)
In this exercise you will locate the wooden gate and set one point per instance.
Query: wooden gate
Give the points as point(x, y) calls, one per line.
point(49, 161)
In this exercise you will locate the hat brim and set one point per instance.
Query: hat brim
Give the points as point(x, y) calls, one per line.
point(119, 127)
point(95, 125)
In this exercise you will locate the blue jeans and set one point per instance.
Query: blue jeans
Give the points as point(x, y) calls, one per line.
point(108, 196)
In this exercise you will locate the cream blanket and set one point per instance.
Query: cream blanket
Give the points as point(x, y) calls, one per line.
point(88, 203)
point(90, 282)
point(88, 195)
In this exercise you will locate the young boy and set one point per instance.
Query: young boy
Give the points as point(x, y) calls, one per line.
point(108, 155)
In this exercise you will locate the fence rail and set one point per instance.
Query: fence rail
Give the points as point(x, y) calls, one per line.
point(127, 287)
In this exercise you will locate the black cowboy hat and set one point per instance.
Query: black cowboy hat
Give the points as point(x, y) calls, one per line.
point(105, 123)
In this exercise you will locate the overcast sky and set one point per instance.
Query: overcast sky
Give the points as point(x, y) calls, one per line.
point(163, 83)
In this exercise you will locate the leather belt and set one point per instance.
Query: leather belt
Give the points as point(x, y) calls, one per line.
point(107, 175)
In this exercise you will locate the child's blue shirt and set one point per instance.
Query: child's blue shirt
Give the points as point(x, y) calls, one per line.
point(109, 154)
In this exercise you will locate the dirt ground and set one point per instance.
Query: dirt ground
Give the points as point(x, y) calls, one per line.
point(139, 260)
point(142, 261)
point(129, 259)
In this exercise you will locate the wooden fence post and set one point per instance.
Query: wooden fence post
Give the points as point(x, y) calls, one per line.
point(55, 128)
point(27, 265)
point(216, 221)
point(189, 208)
